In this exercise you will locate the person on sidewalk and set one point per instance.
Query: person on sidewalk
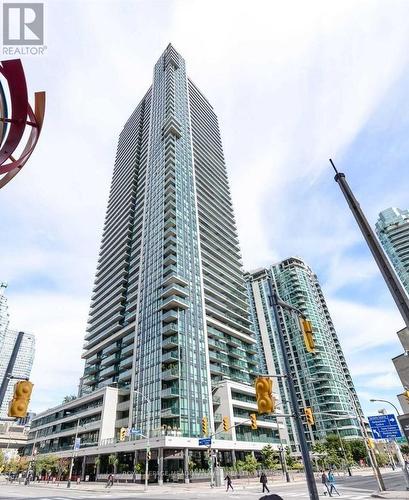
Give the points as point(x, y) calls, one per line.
point(324, 481)
point(331, 481)
point(263, 481)
point(229, 485)
point(110, 481)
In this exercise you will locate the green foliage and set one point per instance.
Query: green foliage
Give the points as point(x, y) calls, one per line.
point(269, 457)
point(2, 461)
point(46, 464)
point(382, 459)
point(138, 468)
point(249, 464)
point(113, 461)
point(357, 449)
point(289, 459)
point(404, 448)
point(333, 451)
point(69, 398)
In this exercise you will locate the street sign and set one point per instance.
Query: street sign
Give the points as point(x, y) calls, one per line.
point(205, 441)
point(384, 427)
point(135, 431)
point(77, 444)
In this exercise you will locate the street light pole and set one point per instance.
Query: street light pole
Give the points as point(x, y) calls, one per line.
point(397, 448)
point(309, 472)
point(73, 453)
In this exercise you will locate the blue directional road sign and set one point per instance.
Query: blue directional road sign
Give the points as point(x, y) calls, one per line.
point(205, 442)
point(384, 427)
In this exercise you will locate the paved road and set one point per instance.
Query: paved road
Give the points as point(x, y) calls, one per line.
point(354, 488)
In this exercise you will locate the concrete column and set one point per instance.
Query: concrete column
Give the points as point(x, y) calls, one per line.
point(98, 466)
point(84, 459)
point(186, 464)
point(160, 466)
point(233, 458)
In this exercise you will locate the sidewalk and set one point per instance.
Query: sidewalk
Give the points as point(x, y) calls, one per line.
point(239, 484)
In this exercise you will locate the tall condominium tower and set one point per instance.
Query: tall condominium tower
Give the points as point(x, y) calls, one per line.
point(16, 355)
point(323, 381)
point(392, 229)
point(169, 314)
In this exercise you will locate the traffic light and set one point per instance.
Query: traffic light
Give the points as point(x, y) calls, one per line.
point(226, 424)
point(309, 415)
point(205, 426)
point(264, 390)
point(306, 329)
point(148, 454)
point(253, 420)
point(406, 394)
point(371, 443)
point(122, 434)
point(18, 406)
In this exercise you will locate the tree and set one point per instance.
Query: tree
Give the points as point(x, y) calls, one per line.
point(249, 464)
point(2, 461)
point(113, 460)
point(46, 464)
point(63, 465)
point(357, 450)
point(404, 448)
point(68, 398)
point(269, 457)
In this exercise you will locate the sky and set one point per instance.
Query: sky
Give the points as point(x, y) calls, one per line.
point(293, 84)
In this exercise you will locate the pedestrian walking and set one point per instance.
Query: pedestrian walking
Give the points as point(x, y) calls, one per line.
point(331, 481)
point(110, 481)
point(229, 485)
point(263, 481)
point(325, 482)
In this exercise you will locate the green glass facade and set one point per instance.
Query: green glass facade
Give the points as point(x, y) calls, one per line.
point(169, 312)
point(323, 381)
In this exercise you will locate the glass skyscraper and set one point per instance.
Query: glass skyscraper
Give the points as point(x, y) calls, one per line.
point(16, 354)
point(169, 314)
point(322, 381)
point(392, 229)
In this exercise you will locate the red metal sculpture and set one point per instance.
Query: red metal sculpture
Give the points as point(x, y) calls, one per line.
point(22, 115)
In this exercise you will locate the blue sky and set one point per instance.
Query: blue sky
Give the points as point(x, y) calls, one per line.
point(293, 85)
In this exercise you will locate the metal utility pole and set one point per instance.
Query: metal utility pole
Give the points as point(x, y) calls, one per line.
point(309, 472)
point(73, 454)
point(398, 293)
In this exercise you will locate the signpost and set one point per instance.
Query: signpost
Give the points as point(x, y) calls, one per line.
point(77, 444)
point(205, 441)
point(384, 427)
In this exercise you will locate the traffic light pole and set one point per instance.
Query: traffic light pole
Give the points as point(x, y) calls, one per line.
point(397, 291)
point(309, 472)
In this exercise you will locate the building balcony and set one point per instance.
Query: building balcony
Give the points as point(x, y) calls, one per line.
point(170, 393)
point(170, 316)
point(170, 260)
point(170, 374)
point(170, 357)
point(171, 412)
point(170, 329)
point(170, 342)
point(125, 375)
point(175, 289)
point(173, 302)
point(174, 278)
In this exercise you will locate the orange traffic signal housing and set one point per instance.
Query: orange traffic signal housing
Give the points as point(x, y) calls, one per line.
point(18, 406)
point(264, 394)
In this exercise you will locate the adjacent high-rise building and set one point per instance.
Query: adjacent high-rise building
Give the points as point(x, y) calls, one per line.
point(16, 355)
point(392, 229)
point(322, 380)
point(169, 316)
